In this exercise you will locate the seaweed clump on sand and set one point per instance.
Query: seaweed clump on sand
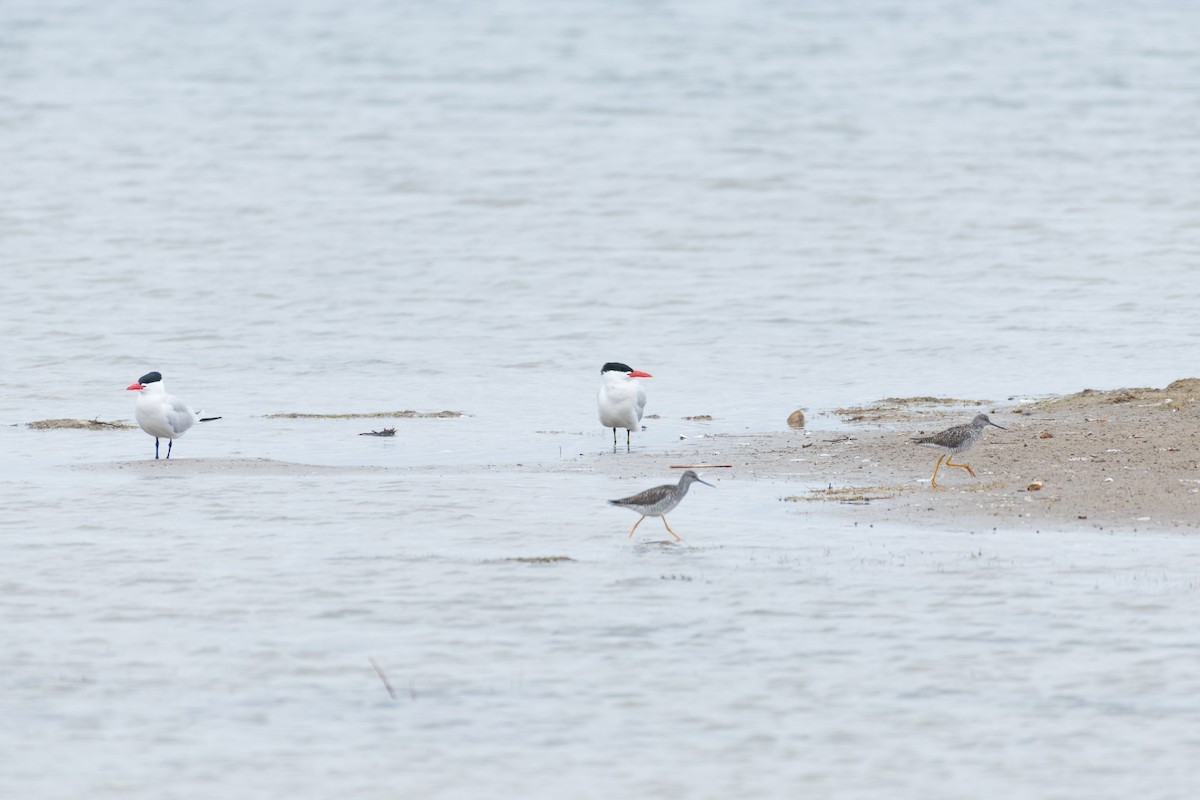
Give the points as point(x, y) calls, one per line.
point(852, 495)
point(539, 559)
point(1177, 394)
point(372, 415)
point(79, 424)
point(891, 409)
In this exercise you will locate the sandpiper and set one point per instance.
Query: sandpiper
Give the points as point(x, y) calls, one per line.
point(956, 440)
point(622, 399)
point(658, 501)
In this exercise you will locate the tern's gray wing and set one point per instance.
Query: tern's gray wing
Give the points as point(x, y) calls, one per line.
point(179, 416)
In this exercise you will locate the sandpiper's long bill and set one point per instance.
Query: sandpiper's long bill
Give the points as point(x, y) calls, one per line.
point(658, 501)
point(955, 440)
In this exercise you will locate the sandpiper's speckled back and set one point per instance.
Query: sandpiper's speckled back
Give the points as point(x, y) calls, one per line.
point(958, 438)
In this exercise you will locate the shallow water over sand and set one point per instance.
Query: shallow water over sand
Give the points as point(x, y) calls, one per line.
point(323, 208)
point(223, 643)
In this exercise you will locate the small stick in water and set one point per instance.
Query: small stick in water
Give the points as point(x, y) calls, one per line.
point(379, 671)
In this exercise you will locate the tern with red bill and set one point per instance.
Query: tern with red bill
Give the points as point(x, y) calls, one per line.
point(162, 415)
point(622, 399)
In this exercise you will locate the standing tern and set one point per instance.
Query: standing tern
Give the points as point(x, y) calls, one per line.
point(955, 440)
point(160, 414)
point(622, 399)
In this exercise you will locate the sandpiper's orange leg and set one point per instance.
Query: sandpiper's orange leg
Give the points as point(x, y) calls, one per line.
point(673, 533)
point(639, 522)
point(967, 467)
point(935, 469)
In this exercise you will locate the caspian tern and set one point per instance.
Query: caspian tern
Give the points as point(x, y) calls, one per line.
point(622, 399)
point(160, 414)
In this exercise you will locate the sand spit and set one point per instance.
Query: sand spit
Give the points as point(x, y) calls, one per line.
point(898, 408)
point(1125, 459)
point(1179, 394)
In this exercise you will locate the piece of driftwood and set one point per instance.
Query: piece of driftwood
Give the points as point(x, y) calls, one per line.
point(384, 432)
point(383, 677)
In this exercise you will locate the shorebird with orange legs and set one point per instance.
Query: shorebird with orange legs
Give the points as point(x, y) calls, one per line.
point(658, 501)
point(956, 440)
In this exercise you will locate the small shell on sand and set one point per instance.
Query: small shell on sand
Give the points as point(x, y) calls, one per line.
point(796, 419)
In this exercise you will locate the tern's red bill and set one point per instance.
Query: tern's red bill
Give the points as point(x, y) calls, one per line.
point(137, 386)
point(637, 373)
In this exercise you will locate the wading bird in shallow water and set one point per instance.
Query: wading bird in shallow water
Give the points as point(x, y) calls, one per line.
point(955, 440)
point(658, 501)
point(622, 399)
point(160, 414)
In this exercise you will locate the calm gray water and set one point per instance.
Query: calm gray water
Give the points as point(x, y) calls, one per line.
point(334, 207)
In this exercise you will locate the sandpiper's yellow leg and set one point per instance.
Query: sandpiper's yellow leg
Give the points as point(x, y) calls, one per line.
point(935, 469)
point(967, 467)
point(639, 522)
point(673, 533)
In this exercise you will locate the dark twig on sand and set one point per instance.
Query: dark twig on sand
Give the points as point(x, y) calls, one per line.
point(384, 432)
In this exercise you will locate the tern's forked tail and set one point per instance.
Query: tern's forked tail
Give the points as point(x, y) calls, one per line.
point(208, 419)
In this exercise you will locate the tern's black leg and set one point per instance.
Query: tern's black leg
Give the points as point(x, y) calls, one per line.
point(627, 440)
point(169, 443)
point(156, 448)
point(614, 440)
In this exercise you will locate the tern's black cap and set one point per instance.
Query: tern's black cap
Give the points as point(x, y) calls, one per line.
point(615, 366)
point(150, 377)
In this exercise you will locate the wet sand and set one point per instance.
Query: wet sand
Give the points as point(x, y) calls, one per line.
point(1124, 459)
